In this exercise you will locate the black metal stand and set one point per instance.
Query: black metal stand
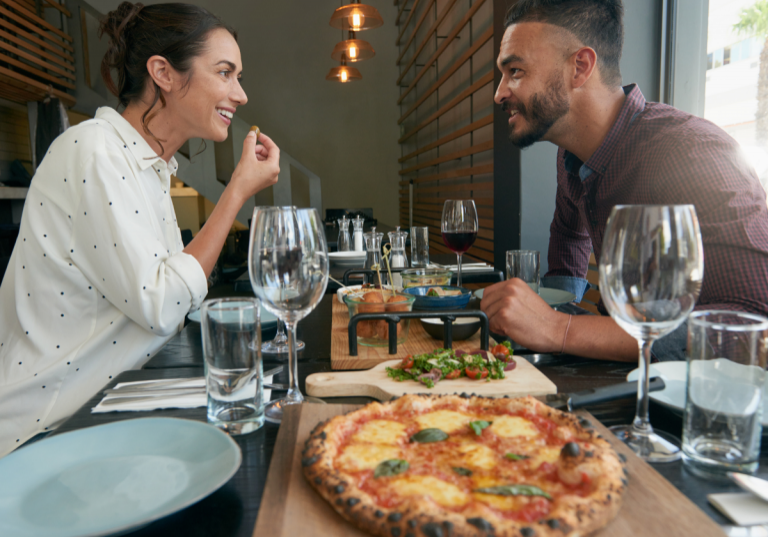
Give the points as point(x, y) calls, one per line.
point(393, 318)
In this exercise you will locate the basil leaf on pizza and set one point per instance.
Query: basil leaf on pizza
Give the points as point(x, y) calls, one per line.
point(427, 436)
point(462, 471)
point(514, 490)
point(479, 425)
point(391, 467)
point(516, 457)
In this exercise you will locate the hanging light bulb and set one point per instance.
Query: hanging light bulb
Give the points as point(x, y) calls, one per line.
point(356, 17)
point(343, 73)
point(353, 50)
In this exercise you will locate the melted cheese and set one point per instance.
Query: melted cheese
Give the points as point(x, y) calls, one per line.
point(358, 457)
point(442, 492)
point(545, 454)
point(511, 426)
point(445, 420)
point(380, 432)
point(477, 456)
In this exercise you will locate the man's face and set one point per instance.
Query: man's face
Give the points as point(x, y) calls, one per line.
point(532, 89)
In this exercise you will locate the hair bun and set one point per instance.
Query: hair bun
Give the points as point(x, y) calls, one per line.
point(117, 25)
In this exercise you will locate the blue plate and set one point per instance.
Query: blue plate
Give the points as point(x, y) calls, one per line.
point(112, 478)
point(424, 302)
point(268, 320)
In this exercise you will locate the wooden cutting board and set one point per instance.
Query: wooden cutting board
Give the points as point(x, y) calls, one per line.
point(525, 379)
point(290, 507)
point(417, 342)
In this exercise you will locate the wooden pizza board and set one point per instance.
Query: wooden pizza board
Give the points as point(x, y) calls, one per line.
point(525, 379)
point(417, 342)
point(290, 507)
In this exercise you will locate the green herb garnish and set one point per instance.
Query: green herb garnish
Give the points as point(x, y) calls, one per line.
point(514, 490)
point(479, 425)
point(391, 467)
point(427, 436)
point(516, 457)
point(447, 362)
point(462, 471)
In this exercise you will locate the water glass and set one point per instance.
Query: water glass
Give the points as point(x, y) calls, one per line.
point(524, 264)
point(419, 246)
point(727, 354)
point(233, 370)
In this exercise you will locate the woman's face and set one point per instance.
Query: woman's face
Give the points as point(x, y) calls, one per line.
point(204, 108)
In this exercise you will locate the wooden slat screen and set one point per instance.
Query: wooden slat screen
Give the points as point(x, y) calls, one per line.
point(36, 57)
point(446, 65)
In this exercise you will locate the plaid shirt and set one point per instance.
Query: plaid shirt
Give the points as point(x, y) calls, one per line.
point(657, 155)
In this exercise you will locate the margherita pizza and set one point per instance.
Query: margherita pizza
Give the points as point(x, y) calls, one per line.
point(459, 465)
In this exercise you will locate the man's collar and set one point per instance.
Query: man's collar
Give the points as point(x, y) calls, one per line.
point(633, 105)
point(133, 141)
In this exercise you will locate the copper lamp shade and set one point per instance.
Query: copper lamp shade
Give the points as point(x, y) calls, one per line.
point(356, 17)
point(353, 50)
point(343, 74)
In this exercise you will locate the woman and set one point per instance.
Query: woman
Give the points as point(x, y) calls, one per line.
point(99, 279)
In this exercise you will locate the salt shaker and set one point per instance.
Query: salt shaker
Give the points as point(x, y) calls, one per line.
point(343, 243)
point(373, 247)
point(397, 258)
point(357, 225)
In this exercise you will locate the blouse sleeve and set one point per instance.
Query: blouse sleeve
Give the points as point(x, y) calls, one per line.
point(117, 244)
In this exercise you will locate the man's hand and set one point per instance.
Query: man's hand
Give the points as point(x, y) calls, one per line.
point(258, 168)
point(516, 311)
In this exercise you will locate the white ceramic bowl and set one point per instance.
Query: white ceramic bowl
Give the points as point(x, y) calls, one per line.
point(347, 259)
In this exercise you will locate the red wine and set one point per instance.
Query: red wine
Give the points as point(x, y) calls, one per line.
point(460, 241)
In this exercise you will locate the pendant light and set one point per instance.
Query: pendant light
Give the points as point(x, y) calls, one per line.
point(343, 73)
point(355, 50)
point(356, 17)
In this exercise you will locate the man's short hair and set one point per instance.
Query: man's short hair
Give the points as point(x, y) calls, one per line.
point(596, 23)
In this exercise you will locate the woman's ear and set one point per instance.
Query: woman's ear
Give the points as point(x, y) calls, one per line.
point(161, 72)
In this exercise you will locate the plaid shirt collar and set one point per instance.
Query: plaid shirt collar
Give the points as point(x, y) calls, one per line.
point(598, 162)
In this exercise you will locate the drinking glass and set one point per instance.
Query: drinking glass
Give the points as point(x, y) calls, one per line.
point(651, 270)
point(288, 265)
point(420, 246)
point(233, 370)
point(727, 355)
point(279, 344)
point(524, 264)
point(459, 228)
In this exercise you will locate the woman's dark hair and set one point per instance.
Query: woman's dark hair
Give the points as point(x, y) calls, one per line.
point(177, 32)
point(596, 23)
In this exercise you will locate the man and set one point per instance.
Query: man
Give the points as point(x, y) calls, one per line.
point(561, 83)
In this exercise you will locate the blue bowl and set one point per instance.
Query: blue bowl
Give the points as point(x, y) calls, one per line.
point(424, 302)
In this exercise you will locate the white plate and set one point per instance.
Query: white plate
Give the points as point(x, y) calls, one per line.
point(553, 297)
point(267, 318)
point(347, 259)
point(112, 478)
point(672, 396)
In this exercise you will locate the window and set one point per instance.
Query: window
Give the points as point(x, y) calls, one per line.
point(732, 80)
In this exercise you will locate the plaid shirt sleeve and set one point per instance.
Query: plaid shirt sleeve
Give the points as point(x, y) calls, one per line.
point(708, 170)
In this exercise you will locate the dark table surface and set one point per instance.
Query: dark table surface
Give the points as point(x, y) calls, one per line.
point(232, 510)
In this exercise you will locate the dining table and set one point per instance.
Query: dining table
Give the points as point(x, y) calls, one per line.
point(232, 509)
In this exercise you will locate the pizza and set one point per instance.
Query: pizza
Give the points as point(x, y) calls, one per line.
point(462, 465)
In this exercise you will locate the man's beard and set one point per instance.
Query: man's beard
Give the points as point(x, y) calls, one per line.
point(541, 113)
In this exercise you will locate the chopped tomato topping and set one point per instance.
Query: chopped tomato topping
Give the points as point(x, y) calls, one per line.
point(453, 374)
point(476, 373)
point(407, 362)
point(585, 478)
point(500, 349)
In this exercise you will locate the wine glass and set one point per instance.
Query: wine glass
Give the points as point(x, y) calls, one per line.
point(459, 228)
point(651, 269)
point(288, 265)
point(279, 344)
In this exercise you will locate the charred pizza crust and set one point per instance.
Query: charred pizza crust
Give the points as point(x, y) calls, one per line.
point(419, 516)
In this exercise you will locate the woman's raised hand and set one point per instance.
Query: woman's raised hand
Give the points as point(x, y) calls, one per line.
point(258, 167)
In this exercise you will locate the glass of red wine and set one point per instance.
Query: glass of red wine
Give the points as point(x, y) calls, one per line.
point(459, 228)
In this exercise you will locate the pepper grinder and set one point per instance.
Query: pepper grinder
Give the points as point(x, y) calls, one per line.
point(343, 243)
point(357, 225)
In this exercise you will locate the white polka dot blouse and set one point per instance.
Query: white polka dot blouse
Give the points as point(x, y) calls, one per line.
point(97, 282)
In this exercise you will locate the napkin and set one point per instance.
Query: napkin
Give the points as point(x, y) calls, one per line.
point(136, 402)
point(743, 508)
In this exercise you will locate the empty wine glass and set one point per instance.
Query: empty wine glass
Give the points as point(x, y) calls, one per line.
point(651, 269)
point(278, 344)
point(288, 265)
point(459, 228)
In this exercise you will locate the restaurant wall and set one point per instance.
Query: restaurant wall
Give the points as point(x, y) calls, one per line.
point(344, 133)
point(640, 63)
